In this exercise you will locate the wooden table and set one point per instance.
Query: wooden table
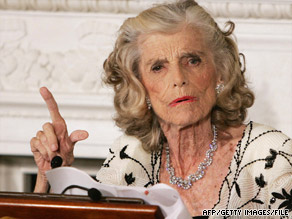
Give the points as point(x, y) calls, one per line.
point(43, 206)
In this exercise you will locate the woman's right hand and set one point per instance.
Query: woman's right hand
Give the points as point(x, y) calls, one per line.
point(53, 140)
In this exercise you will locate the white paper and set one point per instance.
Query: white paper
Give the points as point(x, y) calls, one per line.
point(162, 195)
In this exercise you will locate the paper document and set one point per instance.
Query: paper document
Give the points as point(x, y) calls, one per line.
point(161, 195)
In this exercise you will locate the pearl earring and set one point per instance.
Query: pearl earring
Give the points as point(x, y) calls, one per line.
point(148, 103)
point(219, 88)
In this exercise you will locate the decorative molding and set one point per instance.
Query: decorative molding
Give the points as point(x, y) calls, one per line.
point(72, 106)
point(264, 9)
point(90, 151)
point(248, 9)
point(28, 69)
point(23, 68)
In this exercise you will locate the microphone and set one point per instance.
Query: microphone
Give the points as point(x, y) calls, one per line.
point(93, 193)
point(56, 162)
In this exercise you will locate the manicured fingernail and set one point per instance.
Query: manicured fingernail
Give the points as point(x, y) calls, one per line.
point(54, 147)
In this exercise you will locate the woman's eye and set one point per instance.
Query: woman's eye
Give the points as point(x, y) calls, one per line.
point(156, 68)
point(194, 61)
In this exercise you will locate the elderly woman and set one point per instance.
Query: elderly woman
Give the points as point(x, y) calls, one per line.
point(181, 99)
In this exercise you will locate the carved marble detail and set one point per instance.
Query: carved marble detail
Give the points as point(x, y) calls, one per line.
point(30, 69)
point(77, 70)
point(41, 44)
point(266, 9)
point(249, 9)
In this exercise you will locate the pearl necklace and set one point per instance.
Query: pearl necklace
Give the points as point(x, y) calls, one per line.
point(187, 183)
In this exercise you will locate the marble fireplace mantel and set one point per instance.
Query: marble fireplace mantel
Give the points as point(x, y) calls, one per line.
point(62, 44)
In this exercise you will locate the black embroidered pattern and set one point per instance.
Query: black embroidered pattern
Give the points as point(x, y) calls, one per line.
point(286, 156)
point(107, 164)
point(260, 181)
point(237, 188)
point(158, 169)
point(129, 178)
point(231, 179)
point(154, 158)
point(237, 160)
point(123, 154)
point(271, 159)
point(97, 180)
point(287, 140)
point(272, 200)
point(287, 203)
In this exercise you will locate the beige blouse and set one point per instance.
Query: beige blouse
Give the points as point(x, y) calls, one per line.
point(260, 173)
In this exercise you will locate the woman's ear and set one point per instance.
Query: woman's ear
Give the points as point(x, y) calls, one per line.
point(219, 78)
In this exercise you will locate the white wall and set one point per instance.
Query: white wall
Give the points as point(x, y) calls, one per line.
point(62, 45)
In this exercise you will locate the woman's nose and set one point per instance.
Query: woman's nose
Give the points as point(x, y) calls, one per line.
point(179, 84)
point(179, 78)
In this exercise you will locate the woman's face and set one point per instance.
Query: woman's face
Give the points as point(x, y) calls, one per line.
point(179, 75)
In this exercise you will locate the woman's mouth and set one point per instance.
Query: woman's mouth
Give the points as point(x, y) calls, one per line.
point(182, 100)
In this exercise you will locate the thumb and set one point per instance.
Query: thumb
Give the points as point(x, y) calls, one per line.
point(78, 135)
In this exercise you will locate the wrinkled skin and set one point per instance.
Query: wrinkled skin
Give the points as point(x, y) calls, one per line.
point(177, 65)
point(179, 75)
point(53, 140)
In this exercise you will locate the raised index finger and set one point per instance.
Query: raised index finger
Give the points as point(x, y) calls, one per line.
point(51, 104)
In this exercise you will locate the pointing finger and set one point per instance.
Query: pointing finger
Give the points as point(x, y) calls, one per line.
point(51, 104)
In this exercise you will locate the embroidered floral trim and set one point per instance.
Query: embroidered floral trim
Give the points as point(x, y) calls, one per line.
point(287, 199)
point(231, 179)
